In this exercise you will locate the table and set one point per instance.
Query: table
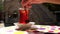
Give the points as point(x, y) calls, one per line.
point(41, 28)
point(47, 28)
point(11, 30)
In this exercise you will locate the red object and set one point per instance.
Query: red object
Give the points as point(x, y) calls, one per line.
point(51, 31)
point(58, 33)
point(23, 16)
point(58, 28)
point(24, 13)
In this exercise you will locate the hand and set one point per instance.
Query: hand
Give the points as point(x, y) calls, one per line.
point(33, 2)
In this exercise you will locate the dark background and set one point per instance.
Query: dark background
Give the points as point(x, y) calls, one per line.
point(45, 14)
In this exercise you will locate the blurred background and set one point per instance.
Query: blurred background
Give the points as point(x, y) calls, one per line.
point(43, 14)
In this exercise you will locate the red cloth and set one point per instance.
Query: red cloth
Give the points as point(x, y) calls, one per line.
point(23, 16)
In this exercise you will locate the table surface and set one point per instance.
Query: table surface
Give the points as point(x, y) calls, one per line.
point(42, 28)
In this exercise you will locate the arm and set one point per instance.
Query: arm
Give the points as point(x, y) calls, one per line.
point(40, 1)
point(53, 1)
point(45, 1)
